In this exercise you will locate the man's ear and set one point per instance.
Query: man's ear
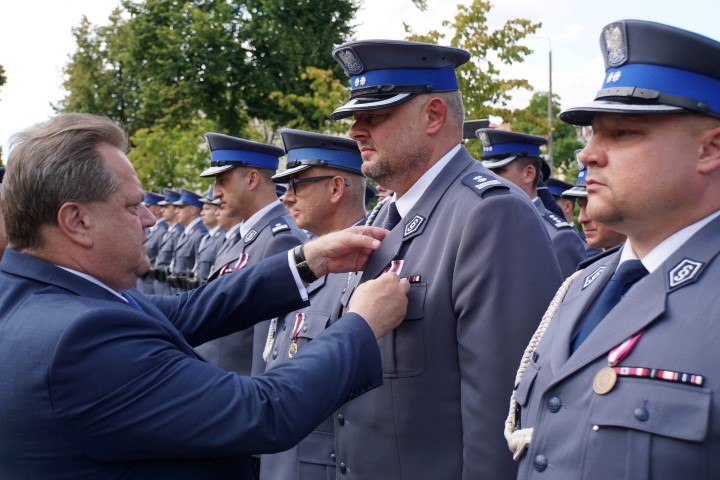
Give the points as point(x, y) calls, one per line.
point(709, 158)
point(253, 179)
point(337, 188)
point(436, 111)
point(75, 220)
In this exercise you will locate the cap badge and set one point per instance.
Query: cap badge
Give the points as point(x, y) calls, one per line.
point(615, 44)
point(485, 139)
point(350, 61)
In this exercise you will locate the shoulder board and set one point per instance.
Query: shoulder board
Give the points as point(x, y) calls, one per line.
point(481, 183)
point(595, 258)
point(555, 221)
point(279, 225)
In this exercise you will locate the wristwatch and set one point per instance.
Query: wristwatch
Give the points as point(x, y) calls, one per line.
point(301, 264)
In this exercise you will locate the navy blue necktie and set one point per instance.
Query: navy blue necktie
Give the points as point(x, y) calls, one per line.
point(131, 301)
point(629, 272)
point(393, 216)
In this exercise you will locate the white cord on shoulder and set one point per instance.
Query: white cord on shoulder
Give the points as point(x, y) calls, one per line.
point(519, 439)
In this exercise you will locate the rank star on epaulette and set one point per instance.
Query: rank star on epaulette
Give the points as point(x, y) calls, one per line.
point(279, 227)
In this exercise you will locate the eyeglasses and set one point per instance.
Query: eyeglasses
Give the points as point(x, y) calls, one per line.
point(293, 182)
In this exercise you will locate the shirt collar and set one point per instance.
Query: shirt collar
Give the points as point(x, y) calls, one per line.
point(92, 279)
point(405, 203)
point(667, 247)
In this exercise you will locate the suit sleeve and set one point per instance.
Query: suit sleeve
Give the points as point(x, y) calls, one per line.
point(233, 302)
point(505, 276)
point(125, 387)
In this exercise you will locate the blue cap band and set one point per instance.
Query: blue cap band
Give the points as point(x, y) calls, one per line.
point(442, 79)
point(172, 198)
point(516, 149)
point(667, 80)
point(335, 158)
point(191, 200)
point(253, 159)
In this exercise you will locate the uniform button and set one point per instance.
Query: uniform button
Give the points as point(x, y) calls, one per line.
point(343, 468)
point(305, 328)
point(332, 456)
point(554, 404)
point(284, 326)
point(540, 463)
point(274, 355)
point(341, 419)
point(641, 413)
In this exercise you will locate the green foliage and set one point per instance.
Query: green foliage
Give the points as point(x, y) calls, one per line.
point(172, 156)
point(312, 111)
point(534, 120)
point(485, 92)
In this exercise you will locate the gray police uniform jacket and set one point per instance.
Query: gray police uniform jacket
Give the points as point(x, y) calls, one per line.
point(207, 251)
point(566, 241)
point(165, 256)
point(314, 456)
point(241, 352)
point(643, 428)
point(186, 249)
point(477, 294)
point(146, 284)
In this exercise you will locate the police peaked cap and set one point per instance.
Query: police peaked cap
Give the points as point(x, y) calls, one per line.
point(188, 197)
point(472, 126)
point(228, 152)
point(500, 147)
point(170, 197)
point(651, 68)
point(386, 73)
point(309, 149)
point(152, 198)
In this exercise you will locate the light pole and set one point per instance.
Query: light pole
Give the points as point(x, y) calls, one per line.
point(549, 102)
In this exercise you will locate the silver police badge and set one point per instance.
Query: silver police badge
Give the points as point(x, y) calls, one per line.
point(684, 272)
point(615, 45)
point(250, 236)
point(413, 225)
point(485, 141)
point(350, 61)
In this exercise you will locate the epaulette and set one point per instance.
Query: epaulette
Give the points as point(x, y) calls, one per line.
point(279, 225)
point(555, 221)
point(482, 183)
point(589, 261)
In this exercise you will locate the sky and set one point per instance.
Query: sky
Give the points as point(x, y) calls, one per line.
point(36, 42)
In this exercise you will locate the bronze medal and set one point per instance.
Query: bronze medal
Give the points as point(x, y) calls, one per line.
point(293, 349)
point(604, 381)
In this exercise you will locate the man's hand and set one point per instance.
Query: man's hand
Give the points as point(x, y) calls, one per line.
point(344, 251)
point(381, 302)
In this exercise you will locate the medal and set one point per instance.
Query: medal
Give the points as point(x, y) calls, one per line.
point(605, 380)
point(293, 348)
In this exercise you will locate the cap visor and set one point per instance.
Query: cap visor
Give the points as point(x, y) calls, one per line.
point(212, 171)
point(577, 192)
point(282, 176)
point(583, 115)
point(374, 102)
point(490, 164)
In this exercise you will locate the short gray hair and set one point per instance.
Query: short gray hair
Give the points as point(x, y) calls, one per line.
point(53, 163)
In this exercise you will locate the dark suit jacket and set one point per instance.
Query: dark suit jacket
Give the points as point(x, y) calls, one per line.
point(93, 388)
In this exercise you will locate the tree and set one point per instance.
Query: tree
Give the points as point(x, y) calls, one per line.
point(485, 92)
point(534, 120)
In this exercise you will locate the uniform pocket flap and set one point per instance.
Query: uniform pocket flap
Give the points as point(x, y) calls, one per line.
point(313, 325)
point(655, 406)
point(318, 448)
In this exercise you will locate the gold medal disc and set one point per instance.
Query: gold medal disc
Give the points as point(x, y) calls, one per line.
point(604, 381)
point(293, 349)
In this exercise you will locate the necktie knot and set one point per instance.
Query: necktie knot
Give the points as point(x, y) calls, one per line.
point(625, 276)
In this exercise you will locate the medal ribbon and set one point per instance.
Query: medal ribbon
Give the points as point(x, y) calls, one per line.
point(618, 353)
point(299, 320)
point(395, 267)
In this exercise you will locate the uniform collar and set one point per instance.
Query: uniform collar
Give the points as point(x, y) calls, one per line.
point(250, 222)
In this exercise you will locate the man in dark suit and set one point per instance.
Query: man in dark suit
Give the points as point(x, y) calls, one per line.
point(243, 171)
point(326, 192)
point(469, 242)
point(101, 382)
point(516, 157)
point(623, 384)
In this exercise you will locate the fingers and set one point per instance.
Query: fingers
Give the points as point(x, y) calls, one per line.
point(368, 231)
